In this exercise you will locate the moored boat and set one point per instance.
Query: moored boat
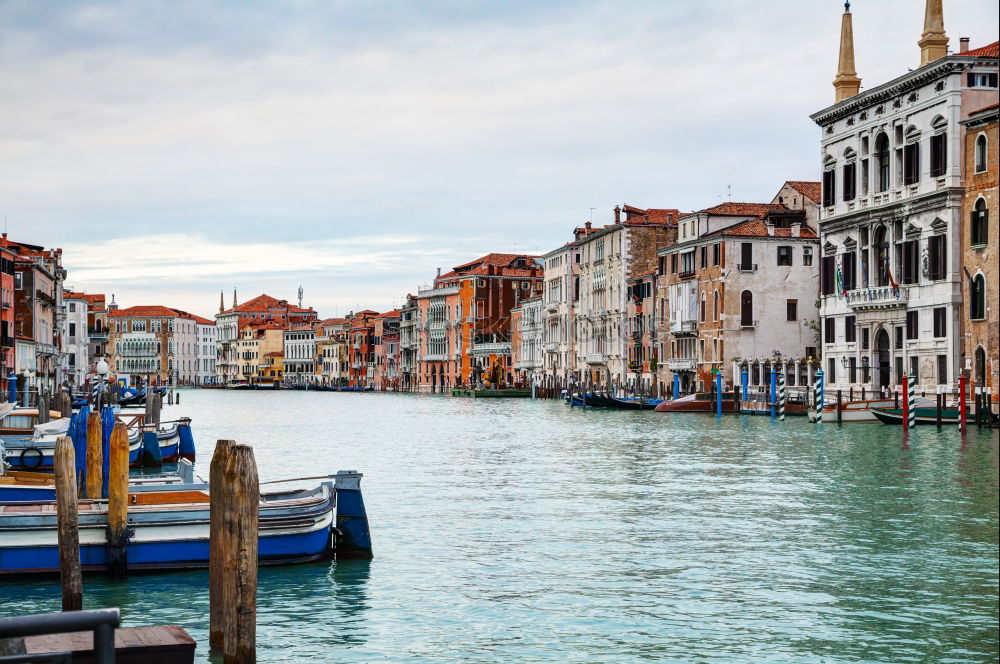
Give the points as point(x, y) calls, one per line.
point(701, 402)
point(168, 528)
point(859, 410)
point(923, 415)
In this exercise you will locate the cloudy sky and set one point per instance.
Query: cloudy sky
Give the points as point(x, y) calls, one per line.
point(176, 149)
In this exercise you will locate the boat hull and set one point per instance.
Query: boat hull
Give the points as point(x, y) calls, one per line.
point(922, 415)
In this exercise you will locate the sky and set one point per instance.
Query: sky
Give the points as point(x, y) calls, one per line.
point(177, 149)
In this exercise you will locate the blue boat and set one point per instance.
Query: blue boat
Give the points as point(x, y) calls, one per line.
point(169, 528)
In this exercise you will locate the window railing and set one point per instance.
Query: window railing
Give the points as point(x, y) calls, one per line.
point(747, 267)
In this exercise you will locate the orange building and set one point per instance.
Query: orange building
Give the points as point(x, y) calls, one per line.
point(362, 348)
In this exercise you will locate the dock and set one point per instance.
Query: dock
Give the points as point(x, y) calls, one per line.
point(162, 644)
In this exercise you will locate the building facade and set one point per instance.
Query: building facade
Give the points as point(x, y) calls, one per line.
point(561, 280)
point(980, 255)
point(891, 215)
point(76, 339)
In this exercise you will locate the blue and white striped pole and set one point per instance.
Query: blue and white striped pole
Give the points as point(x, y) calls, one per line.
point(774, 392)
point(781, 395)
point(911, 398)
point(818, 396)
point(745, 380)
point(677, 385)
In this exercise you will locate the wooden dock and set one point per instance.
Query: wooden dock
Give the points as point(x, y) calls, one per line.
point(163, 644)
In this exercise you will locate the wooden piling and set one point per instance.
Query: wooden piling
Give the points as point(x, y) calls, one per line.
point(95, 458)
point(840, 408)
point(177, 398)
point(117, 534)
point(67, 517)
point(43, 408)
point(937, 417)
point(239, 518)
point(65, 405)
point(217, 501)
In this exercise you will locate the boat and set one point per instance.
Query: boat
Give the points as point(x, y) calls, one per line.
point(169, 528)
point(923, 415)
point(860, 409)
point(31, 486)
point(166, 442)
point(700, 402)
point(16, 421)
point(239, 385)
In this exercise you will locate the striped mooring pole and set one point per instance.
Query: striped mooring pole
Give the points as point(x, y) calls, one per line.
point(911, 381)
point(774, 393)
point(781, 396)
point(818, 396)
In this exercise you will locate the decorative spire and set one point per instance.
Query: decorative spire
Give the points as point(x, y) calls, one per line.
point(846, 84)
point(222, 302)
point(933, 42)
point(234, 297)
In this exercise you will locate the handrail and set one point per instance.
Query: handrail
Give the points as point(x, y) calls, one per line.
point(101, 621)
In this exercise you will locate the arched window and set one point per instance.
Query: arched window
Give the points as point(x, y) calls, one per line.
point(746, 309)
point(981, 153)
point(978, 223)
point(715, 306)
point(977, 298)
point(702, 308)
point(882, 161)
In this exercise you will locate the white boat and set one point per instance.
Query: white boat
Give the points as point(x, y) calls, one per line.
point(860, 410)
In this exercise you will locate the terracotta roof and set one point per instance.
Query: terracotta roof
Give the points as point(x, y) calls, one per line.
point(390, 314)
point(811, 190)
point(194, 317)
point(988, 51)
point(494, 259)
point(729, 209)
point(332, 321)
point(265, 302)
point(985, 109)
point(154, 311)
point(758, 228)
point(276, 353)
point(652, 215)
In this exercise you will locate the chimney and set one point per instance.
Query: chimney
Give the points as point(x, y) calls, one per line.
point(587, 226)
point(796, 229)
point(618, 215)
point(963, 44)
point(439, 272)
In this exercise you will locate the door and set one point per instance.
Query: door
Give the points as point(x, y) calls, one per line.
point(883, 367)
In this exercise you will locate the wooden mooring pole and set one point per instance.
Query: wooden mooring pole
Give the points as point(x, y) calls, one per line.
point(67, 518)
point(236, 514)
point(95, 457)
point(117, 534)
point(217, 501)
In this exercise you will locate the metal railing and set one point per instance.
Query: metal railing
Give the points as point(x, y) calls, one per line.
point(102, 622)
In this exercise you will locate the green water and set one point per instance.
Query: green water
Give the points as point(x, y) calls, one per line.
point(526, 531)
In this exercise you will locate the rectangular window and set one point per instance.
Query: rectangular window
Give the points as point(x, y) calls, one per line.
point(850, 179)
point(18, 277)
point(811, 351)
point(939, 155)
point(899, 370)
point(852, 367)
point(716, 253)
point(937, 258)
point(899, 338)
point(850, 329)
point(942, 369)
point(911, 163)
point(831, 370)
point(673, 263)
point(940, 322)
point(829, 330)
point(976, 80)
point(914, 366)
point(865, 338)
point(746, 255)
point(910, 256)
point(912, 324)
point(827, 278)
point(703, 258)
point(807, 256)
point(829, 187)
point(784, 255)
point(864, 177)
point(850, 270)
point(791, 310)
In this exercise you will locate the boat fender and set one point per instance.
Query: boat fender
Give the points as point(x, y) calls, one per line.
point(24, 459)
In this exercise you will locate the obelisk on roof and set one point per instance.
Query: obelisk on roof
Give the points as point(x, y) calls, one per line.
point(846, 84)
point(933, 42)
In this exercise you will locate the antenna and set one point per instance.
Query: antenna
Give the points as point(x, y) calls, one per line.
point(729, 188)
point(591, 215)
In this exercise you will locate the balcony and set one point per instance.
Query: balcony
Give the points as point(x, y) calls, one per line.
point(747, 267)
point(437, 292)
point(680, 328)
point(5, 304)
point(552, 306)
point(681, 364)
point(685, 274)
point(435, 357)
point(551, 346)
point(596, 359)
point(879, 297)
point(495, 348)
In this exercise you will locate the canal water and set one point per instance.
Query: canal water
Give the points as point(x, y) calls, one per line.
point(528, 531)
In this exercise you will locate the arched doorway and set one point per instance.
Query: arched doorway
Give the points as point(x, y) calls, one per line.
point(883, 362)
point(881, 246)
point(979, 366)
